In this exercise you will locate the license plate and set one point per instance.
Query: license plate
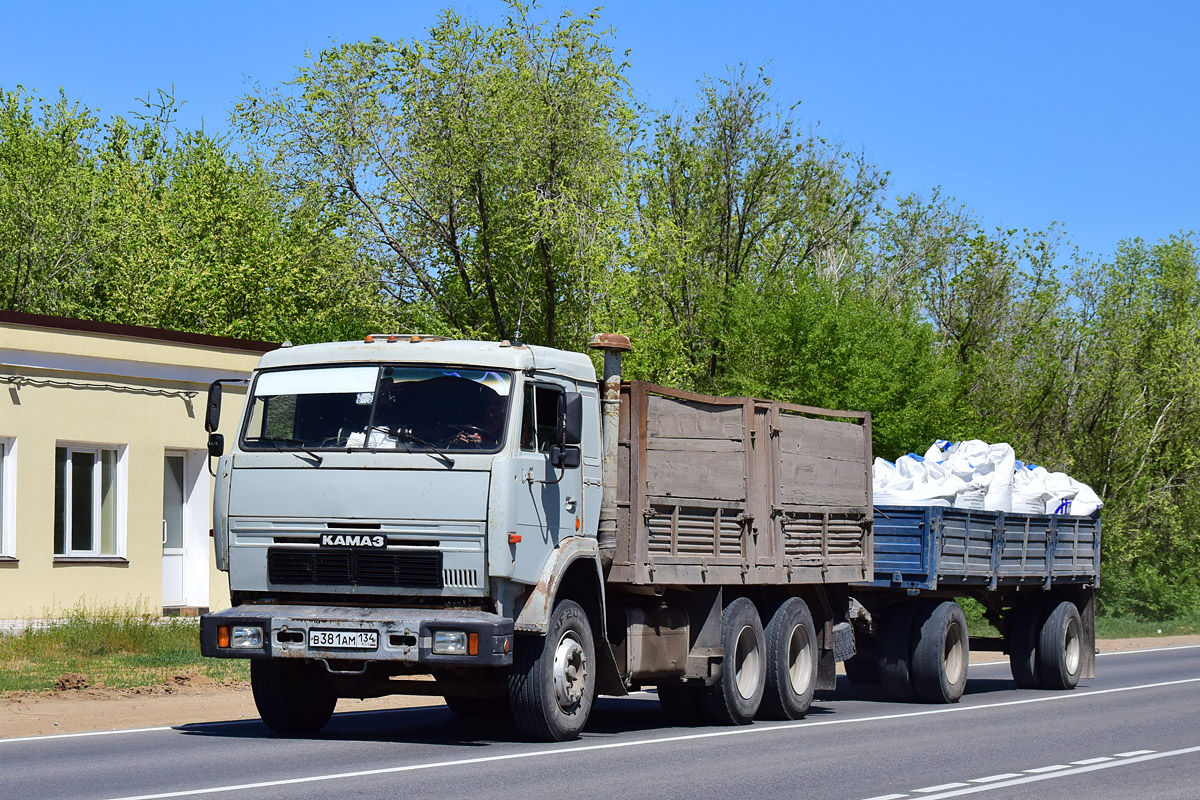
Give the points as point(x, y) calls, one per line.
point(343, 640)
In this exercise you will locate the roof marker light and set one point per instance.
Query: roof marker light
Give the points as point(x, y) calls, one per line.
point(369, 339)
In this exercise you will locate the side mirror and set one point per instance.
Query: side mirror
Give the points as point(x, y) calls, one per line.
point(212, 413)
point(565, 456)
point(216, 445)
point(571, 419)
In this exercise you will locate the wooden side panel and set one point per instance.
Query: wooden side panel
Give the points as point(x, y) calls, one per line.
point(721, 491)
point(821, 463)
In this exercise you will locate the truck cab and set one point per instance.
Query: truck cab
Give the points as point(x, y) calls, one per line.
point(390, 507)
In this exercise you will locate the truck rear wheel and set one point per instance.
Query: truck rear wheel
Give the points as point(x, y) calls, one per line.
point(292, 697)
point(1060, 648)
point(735, 698)
point(941, 654)
point(791, 639)
point(553, 679)
point(895, 652)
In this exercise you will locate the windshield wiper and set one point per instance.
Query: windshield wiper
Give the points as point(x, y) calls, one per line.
point(406, 435)
point(299, 443)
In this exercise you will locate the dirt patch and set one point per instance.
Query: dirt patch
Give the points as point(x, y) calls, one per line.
point(191, 698)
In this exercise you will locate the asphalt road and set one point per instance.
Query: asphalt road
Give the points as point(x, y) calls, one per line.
point(1132, 732)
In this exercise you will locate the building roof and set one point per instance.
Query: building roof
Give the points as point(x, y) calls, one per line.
point(134, 332)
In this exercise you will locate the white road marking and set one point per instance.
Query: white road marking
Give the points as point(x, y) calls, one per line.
point(1003, 776)
point(1151, 650)
point(1051, 768)
point(942, 788)
point(1134, 753)
point(1089, 761)
point(787, 727)
point(889, 797)
point(1061, 773)
point(43, 737)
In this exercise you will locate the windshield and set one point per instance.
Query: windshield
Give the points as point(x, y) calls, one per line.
point(379, 408)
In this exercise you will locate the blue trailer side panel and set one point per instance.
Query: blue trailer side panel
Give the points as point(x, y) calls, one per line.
point(926, 547)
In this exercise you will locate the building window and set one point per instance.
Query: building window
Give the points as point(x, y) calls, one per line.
point(8, 481)
point(86, 501)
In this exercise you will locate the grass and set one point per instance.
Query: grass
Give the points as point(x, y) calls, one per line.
point(1128, 628)
point(1106, 627)
point(111, 647)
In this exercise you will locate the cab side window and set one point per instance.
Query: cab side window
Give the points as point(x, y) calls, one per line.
point(539, 418)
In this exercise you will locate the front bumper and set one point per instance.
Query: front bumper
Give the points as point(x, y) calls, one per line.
point(405, 635)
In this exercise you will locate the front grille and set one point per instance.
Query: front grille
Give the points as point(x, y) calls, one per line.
point(355, 567)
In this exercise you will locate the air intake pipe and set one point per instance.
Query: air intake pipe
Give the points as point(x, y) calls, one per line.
point(613, 345)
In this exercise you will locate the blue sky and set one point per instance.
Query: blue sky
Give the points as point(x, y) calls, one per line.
point(1027, 113)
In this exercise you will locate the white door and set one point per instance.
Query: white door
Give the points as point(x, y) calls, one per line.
point(174, 550)
point(549, 501)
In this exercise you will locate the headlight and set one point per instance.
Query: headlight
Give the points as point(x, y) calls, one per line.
point(246, 637)
point(450, 643)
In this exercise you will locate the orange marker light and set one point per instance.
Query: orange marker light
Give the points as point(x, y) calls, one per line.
point(368, 339)
point(222, 636)
point(514, 538)
point(577, 523)
point(472, 644)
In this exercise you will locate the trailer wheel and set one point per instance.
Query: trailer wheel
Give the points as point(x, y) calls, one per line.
point(292, 697)
point(680, 703)
point(1060, 648)
point(791, 639)
point(1024, 630)
point(941, 654)
point(735, 698)
point(552, 682)
point(895, 652)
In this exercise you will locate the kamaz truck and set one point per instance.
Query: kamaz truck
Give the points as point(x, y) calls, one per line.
point(489, 523)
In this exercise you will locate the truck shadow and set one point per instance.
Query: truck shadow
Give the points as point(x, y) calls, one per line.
point(437, 725)
point(873, 693)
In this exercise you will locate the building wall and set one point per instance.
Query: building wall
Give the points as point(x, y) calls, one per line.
point(135, 389)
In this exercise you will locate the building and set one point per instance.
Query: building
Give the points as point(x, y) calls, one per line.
point(105, 490)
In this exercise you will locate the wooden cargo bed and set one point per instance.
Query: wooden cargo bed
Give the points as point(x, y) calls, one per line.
point(735, 490)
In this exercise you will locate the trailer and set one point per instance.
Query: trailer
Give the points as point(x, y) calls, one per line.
point(1034, 575)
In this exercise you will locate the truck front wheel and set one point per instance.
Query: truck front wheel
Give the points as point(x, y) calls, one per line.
point(292, 697)
point(553, 678)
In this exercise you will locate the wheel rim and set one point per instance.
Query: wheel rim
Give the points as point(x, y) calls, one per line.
point(570, 671)
point(746, 663)
point(799, 663)
point(952, 656)
point(1072, 652)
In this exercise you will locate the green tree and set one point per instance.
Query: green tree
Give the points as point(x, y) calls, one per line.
point(731, 196)
point(481, 168)
point(131, 222)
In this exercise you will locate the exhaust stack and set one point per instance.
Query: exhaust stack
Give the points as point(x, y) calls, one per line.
point(613, 345)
